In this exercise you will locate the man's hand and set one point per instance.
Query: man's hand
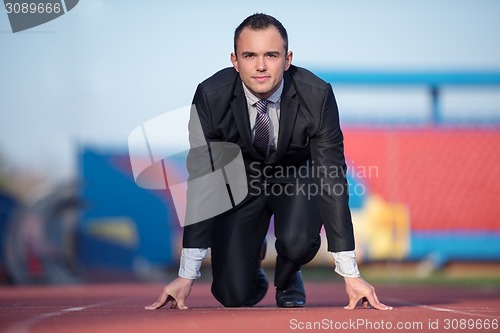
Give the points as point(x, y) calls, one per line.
point(176, 292)
point(357, 289)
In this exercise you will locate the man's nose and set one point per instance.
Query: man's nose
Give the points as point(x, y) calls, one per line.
point(261, 64)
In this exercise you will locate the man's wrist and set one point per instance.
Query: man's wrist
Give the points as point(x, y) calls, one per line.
point(345, 264)
point(190, 263)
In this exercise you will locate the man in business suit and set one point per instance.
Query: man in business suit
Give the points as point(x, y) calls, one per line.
point(285, 120)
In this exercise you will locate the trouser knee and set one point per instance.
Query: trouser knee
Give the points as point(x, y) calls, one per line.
point(230, 296)
point(299, 252)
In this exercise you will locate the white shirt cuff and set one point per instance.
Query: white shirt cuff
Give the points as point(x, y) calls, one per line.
point(345, 264)
point(190, 263)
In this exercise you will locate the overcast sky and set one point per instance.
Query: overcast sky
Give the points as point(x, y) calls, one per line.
point(94, 74)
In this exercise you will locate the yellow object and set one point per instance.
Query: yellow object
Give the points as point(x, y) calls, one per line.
point(120, 230)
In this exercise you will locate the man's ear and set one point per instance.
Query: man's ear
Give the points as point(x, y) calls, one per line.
point(234, 60)
point(288, 60)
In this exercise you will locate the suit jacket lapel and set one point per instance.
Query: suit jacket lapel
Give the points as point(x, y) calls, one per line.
point(288, 114)
point(240, 112)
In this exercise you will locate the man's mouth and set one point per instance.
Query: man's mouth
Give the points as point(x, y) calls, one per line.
point(261, 78)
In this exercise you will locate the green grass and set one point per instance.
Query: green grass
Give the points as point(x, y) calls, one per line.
point(404, 275)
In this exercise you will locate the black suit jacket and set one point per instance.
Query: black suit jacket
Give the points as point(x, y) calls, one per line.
point(309, 135)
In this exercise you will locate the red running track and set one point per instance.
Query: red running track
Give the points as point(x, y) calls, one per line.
point(119, 309)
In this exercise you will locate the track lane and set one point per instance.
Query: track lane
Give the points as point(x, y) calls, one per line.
point(120, 309)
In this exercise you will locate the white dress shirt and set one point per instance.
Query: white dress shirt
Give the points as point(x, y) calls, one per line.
point(273, 110)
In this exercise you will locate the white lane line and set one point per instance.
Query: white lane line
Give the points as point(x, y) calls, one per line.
point(438, 309)
point(24, 326)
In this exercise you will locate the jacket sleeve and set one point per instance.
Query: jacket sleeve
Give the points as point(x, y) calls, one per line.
point(327, 152)
point(199, 163)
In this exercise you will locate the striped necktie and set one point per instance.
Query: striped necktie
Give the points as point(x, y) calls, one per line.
point(262, 127)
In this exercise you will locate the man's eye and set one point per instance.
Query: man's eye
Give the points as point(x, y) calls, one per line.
point(249, 55)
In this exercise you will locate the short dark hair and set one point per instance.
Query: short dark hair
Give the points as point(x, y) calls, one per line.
point(261, 21)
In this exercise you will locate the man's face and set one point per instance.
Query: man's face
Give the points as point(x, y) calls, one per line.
point(261, 60)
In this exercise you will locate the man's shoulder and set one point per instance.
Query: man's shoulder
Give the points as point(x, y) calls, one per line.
point(304, 77)
point(223, 79)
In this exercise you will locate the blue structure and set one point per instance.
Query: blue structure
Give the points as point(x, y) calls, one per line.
point(122, 227)
point(434, 81)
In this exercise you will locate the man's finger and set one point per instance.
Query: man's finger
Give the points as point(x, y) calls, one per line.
point(381, 306)
point(177, 304)
point(155, 305)
point(181, 305)
point(352, 304)
point(371, 299)
point(368, 301)
point(162, 300)
point(374, 302)
point(375, 296)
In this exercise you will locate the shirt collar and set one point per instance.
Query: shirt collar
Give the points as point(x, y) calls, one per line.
point(274, 98)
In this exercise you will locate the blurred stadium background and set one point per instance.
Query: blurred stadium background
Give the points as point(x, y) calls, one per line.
point(418, 88)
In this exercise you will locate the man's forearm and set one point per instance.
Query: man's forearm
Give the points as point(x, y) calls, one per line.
point(190, 263)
